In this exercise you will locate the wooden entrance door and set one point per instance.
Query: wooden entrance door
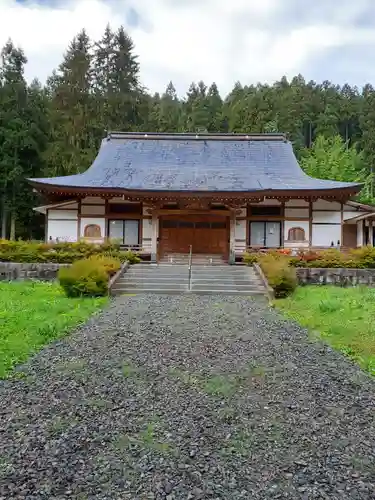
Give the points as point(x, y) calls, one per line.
point(206, 234)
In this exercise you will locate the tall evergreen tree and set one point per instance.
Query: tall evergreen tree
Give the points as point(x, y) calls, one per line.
point(13, 131)
point(72, 110)
point(23, 139)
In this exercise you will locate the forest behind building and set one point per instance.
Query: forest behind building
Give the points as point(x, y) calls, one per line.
point(55, 128)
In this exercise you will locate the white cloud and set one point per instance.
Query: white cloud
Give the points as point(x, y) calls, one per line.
point(186, 40)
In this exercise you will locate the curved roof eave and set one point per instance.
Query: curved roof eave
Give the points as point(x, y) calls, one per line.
point(352, 188)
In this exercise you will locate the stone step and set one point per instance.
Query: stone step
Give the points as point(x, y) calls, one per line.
point(151, 286)
point(223, 286)
point(174, 291)
point(194, 284)
point(205, 279)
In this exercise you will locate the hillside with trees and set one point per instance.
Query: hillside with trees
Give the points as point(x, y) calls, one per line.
point(56, 128)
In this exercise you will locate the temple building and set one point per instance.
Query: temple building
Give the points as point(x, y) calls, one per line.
point(160, 193)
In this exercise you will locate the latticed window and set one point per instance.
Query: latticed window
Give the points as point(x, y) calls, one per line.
point(296, 234)
point(92, 231)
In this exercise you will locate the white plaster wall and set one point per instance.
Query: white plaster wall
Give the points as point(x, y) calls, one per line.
point(241, 212)
point(324, 234)
point(240, 230)
point(62, 214)
point(94, 199)
point(297, 203)
point(74, 204)
point(350, 214)
point(268, 201)
point(297, 213)
point(327, 217)
point(146, 210)
point(147, 229)
point(350, 208)
point(85, 221)
point(92, 210)
point(64, 230)
point(289, 224)
point(326, 205)
point(360, 235)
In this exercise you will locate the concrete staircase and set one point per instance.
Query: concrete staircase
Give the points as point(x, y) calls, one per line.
point(197, 259)
point(174, 278)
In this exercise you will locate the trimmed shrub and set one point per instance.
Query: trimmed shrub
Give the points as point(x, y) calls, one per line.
point(365, 257)
point(60, 253)
point(110, 264)
point(359, 258)
point(84, 278)
point(249, 258)
point(280, 275)
point(130, 256)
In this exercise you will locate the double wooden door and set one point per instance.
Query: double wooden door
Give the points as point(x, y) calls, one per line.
point(206, 234)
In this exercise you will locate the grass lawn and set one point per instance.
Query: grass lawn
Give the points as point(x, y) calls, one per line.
point(33, 314)
point(343, 317)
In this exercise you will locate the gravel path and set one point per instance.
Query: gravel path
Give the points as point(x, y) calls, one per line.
point(187, 397)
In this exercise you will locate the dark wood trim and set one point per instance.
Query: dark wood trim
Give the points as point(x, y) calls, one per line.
point(92, 216)
point(63, 220)
point(327, 223)
point(342, 224)
point(64, 208)
point(114, 216)
point(182, 212)
point(295, 207)
point(310, 222)
point(94, 204)
point(79, 220)
point(275, 219)
point(282, 228)
point(327, 210)
point(46, 227)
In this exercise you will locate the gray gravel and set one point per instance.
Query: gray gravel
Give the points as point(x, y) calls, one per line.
point(187, 397)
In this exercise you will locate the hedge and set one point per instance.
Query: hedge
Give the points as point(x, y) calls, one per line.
point(87, 277)
point(359, 258)
point(60, 253)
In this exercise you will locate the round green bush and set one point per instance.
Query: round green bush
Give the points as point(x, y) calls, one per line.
point(84, 278)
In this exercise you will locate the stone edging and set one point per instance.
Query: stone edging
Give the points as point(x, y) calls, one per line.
point(124, 267)
point(260, 273)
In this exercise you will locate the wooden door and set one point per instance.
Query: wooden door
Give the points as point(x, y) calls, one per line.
point(206, 234)
point(349, 235)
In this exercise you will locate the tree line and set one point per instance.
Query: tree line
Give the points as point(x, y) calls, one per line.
point(56, 128)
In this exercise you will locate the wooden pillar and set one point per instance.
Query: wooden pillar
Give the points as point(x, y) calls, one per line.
point(154, 237)
point(232, 237)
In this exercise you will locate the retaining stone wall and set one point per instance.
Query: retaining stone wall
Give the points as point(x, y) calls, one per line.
point(45, 272)
point(341, 277)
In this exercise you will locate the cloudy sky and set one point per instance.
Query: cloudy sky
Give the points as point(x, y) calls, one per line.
point(212, 40)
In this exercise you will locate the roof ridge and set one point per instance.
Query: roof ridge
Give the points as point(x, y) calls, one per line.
point(198, 135)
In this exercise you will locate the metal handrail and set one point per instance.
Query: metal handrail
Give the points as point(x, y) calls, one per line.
point(190, 265)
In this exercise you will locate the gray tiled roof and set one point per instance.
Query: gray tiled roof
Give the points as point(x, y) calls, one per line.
point(167, 162)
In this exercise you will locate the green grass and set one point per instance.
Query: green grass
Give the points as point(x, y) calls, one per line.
point(342, 317)
point(33, 314)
